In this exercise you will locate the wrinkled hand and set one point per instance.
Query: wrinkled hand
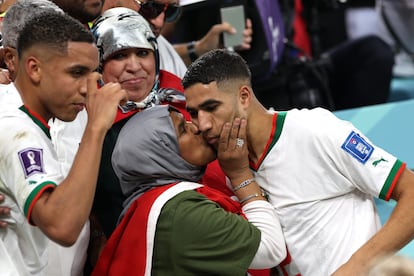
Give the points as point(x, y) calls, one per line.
point(102, 103)
point(232, 157)
point(4, 213)
point(212, 39)
point(247, 36)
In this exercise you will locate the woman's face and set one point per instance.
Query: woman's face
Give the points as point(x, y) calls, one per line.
point(193, 147)
point(134, 69)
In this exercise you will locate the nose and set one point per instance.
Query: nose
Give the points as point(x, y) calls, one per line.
point(133, 63)
point(83, 86)
point(203, 121)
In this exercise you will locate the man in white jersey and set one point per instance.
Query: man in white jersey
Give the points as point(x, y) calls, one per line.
point(65, 136)
point(321, 173)
point(57, 57)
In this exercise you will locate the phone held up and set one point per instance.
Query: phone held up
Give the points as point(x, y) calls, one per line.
point(235, 16)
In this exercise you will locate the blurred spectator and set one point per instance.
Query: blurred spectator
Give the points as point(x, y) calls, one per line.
point(83, 10)
point(343, 74)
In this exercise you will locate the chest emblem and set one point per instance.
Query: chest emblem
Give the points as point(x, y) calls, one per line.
point(31, 160)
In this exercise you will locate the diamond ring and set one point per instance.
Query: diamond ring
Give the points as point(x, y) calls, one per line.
point(239, 142)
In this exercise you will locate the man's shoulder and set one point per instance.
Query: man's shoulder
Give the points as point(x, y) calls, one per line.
point(310, 117)
point(9, 96)
point(12, 115)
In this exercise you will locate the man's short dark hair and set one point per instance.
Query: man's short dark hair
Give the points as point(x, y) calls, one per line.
point(217, 65)
point(54, 30)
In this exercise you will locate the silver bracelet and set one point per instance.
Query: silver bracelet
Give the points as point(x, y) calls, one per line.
point(263, 194)
point(243, 184)
point(248, 197)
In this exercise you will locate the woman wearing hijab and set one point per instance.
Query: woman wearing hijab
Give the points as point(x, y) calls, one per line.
point(128, 54)
point(172, 224)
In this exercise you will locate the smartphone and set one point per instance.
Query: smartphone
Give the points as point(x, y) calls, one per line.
point(235, 16)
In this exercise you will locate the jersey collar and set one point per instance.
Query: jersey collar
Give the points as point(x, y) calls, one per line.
point(37, 120)
point(277, 125)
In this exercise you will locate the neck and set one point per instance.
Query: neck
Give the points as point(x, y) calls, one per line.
point(27, 94)
point(259, 127)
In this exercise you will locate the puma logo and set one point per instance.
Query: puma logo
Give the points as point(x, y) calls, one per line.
point(375, 163)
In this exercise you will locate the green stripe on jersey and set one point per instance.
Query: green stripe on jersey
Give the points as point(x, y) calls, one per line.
point(34, 193)
point(390, 179)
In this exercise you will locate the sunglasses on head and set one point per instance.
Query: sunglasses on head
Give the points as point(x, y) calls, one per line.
point(150, 10)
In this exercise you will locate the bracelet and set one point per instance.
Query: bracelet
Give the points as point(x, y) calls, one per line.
point(243, 184)
point(263, 194)
point(191, 51)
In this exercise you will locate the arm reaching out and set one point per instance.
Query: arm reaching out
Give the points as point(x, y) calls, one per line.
point(212, 40)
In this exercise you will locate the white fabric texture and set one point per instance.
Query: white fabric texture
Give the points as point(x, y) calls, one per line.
point(169, 59)
point(322, 194)
point(272, 248)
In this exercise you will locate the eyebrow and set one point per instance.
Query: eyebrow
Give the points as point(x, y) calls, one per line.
point(204, 104)
point(79, 67)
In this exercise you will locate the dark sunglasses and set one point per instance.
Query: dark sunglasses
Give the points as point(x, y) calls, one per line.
point(150, 10)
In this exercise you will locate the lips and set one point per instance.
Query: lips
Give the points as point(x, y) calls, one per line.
point(132, 81)
point(212, 140)
point(79, 106)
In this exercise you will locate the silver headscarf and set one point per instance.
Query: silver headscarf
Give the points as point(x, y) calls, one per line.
point(147, 155)
point(122, 28)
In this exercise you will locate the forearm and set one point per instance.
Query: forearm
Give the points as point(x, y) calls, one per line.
point(182, 51)
point(67, 208)
point(396, 232)
point(188, 52)
point(272, 248)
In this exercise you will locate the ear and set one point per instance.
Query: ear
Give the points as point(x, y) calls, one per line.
point(245, 95)
point(10, 59)
point(33, 67)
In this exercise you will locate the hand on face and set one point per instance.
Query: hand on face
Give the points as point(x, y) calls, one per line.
point(102, 103)
point(232, 152)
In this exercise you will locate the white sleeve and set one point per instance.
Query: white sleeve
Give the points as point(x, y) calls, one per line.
point(272, 248)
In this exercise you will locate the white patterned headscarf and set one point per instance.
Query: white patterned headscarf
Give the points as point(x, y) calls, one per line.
point(122, 28)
